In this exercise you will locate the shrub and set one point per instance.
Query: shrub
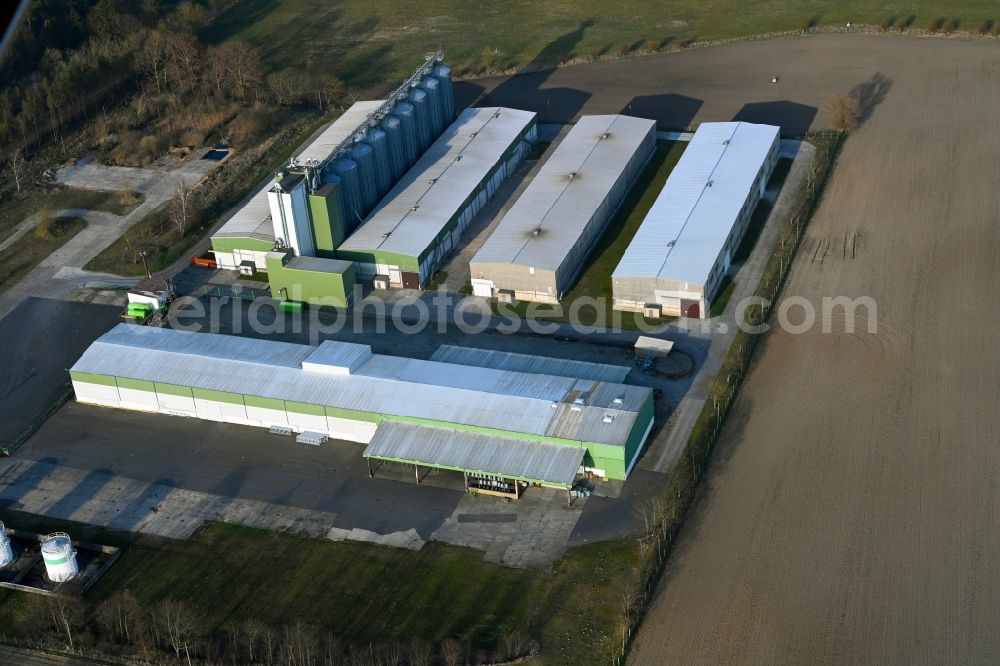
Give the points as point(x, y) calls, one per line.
point(192, 139)
point(624, 49)
point(887, 23)
point(46, 227)
point(951, 26)
point(986, 27)
point(150, 146)
point(935, 25)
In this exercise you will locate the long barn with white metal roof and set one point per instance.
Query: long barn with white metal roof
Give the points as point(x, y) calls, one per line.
point(566, 422)
point(422, 219)
point(677, 260)
point(539, 247)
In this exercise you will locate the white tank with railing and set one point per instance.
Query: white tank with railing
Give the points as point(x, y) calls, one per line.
point(59, 557)
point(6, 552)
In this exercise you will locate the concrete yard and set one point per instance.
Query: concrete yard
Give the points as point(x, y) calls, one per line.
point(41, 338)
point(164, 475)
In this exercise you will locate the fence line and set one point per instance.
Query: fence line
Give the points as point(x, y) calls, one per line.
point(669, 510)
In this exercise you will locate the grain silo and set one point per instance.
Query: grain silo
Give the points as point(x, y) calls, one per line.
point(350, 188)
point(432, 87)
point(394, 143)
point(422, 115)
point(363, 156)
point(380, 152)
point(6, 552)
point(407, 115)
point(59, 557)
point(443, 74)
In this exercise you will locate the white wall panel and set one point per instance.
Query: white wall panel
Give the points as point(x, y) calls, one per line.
point(267, 417)
point(138, 399)
point(96, 393)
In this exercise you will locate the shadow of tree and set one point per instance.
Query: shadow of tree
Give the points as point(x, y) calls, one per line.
point(870, 94)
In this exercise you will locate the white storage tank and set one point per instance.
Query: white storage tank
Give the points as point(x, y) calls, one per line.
point(59, 557)
point(6, 552)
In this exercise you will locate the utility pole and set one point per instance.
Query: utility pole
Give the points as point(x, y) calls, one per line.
point(144, 266)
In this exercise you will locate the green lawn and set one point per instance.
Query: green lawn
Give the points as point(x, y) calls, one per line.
point(372, 594)
point(24, 254)
point(377, 42)
point(14, 212)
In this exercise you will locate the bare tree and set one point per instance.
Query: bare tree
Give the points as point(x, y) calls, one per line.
point(843, 111)
point(181, 207)
point(154, 56)
point(453, 652)
point(119, 615)
point(60, 613)
point(179, 625)
point(241, 62)
point(17, 167)
point(269, 642)
point(420, 652)
point(252, 630)
point(300, 644)
point(184, 60)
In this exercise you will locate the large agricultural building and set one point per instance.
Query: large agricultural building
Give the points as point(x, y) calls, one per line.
point(422, 219)
point(677, 260)
point(510, 417)
point(540, 245)
point(331, 185)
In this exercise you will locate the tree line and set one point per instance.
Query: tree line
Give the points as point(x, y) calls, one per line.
point(173, 632)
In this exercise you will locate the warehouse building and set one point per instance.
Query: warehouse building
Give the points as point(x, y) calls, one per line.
point(540, 245)
point(489, 422)
point(325, 191)
point(405, 240)
point(677, 260)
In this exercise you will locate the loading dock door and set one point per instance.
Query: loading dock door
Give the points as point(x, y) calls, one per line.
point(690, 309)
point(411, 280)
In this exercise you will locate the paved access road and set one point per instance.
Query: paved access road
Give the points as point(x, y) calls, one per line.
point(852, 514)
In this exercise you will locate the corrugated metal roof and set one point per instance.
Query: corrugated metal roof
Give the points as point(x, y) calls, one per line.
point(417, 209)
point(251, 221)
point(319, 264)
point(341, 128)
point(546, 221)
point(499, 360)
point(691, 214)
point(254, 219)
point(504, 400)
point(474, 452)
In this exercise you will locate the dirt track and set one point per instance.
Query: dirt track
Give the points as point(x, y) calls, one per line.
point(853, 512)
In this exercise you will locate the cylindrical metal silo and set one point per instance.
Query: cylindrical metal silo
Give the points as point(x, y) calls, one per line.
point(380, 151)
point(443, 74)
point(362, 154)
point(59, 557)
point(350, 188)
point(6, 552)
point(397, 150)
point(422, 114)
point(408, 124)
point(435, 104)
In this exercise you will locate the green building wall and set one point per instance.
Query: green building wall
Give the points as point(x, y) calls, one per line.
point(326, 213)
point(314, 287)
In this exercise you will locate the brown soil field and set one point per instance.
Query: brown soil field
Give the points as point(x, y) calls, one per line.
point(852, 512)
